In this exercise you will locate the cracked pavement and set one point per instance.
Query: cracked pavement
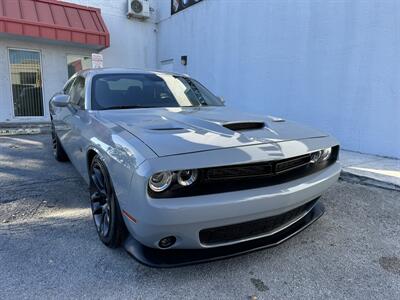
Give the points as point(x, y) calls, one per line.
point(49, 247)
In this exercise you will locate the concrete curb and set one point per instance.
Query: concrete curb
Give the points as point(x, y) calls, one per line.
point(355, 178)
point(22, 129)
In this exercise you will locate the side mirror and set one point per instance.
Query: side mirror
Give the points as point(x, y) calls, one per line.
point(221, 99)
point(60, 100)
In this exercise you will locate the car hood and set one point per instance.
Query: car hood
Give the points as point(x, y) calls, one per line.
point(172, 131)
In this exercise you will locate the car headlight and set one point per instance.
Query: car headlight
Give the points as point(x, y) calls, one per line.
point(315, 157)
point(160, 181)
point(187, 177)
point(326, 154)
point(322, 155)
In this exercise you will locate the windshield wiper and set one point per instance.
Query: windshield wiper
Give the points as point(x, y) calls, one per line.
point(126, 107)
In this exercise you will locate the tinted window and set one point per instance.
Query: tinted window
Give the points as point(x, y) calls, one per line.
point(68, 86)
point(148, 90)
point(77, 92)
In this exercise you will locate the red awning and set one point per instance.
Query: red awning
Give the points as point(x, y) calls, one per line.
point(54, 20)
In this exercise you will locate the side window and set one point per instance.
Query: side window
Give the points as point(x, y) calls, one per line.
point(68, 86)
point(77, 92)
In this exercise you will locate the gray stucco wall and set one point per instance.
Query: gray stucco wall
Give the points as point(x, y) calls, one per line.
point(331, 64)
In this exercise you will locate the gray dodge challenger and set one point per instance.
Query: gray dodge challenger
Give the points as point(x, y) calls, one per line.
point(176, 177)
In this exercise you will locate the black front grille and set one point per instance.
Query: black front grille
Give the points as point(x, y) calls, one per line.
point(258, 169)
point(260, 227)
point(248, 176)
point(292, 163)
point(240, 171)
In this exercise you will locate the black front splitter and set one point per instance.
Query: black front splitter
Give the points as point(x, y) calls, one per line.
point(180, 257)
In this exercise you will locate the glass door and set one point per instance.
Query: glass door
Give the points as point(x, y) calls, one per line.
point(26, 82)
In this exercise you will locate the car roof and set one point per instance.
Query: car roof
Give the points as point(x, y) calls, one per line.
point(92, 72)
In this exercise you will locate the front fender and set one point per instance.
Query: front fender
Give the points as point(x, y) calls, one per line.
point(122, 153)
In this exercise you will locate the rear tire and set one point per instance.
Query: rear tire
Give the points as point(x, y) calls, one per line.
point(106, 212)
point(58, 150)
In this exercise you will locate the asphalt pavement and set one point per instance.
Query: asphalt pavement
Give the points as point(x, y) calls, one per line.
point(49, 247)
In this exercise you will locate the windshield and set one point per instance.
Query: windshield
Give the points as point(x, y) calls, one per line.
point(119, 91)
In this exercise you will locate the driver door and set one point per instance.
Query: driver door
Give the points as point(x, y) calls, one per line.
point(77, 122)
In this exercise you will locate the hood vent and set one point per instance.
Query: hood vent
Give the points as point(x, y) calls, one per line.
point(240, 126)
point(167, 128)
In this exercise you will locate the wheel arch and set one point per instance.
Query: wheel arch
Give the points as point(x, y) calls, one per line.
point(90, 154)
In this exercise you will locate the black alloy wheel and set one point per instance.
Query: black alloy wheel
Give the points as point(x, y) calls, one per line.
point(105, 209)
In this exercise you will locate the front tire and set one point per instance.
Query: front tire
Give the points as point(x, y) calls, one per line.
point(58, 150)
point(105, 209)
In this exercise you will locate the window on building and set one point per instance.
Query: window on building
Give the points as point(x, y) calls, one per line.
point(26, 82)
point(77, 63)
point(178, 5)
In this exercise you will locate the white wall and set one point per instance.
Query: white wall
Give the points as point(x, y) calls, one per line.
point(54, 73)
point(133, 42)
point(334, 65)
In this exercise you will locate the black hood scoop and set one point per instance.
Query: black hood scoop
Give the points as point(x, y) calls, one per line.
point(241, 126)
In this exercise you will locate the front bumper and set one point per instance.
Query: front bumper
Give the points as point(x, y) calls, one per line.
point(179, 257)
point(184, 218)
